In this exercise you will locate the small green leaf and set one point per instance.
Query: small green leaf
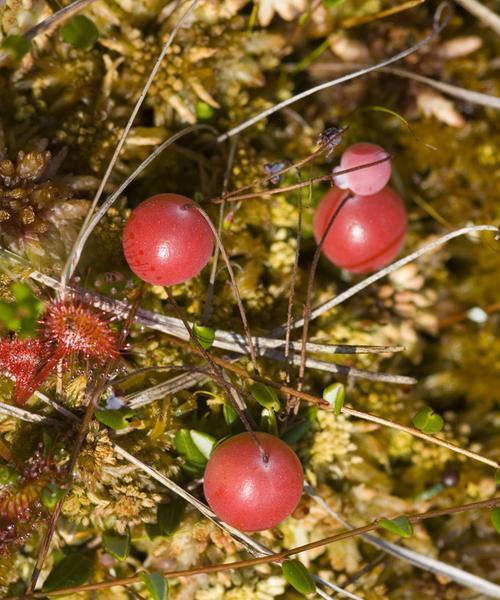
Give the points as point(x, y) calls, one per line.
point(80, 32)
point(152, 530)
point(298, 576)
point(8, 475)
point(335, 394)
point(116, 419)
point(156, 584)
point(117, 545)
point(428, 421)
point(230, 415)
point(170, 515)
point(268, 421)
point(73, 569)
point(204, 111)
point(295, 433)
point(204, 335)
point(187, 448)
point(400, 526)
point(16, 45)
point(204, 442)
point(51, 494)
point(265, 396)
point(495, 518)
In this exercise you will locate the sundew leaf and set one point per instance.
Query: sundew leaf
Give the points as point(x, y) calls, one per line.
point(335, 394)
point(156, 584)
point(80, 32)
point(400, 526)
point(298, 576)
point(265, 396)
point(117, 545)
point(495, 518)
point(204, 335)
point(74, 569)
point(428, 421)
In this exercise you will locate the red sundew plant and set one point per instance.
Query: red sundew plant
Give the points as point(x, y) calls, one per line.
point(73, 328)
point(23, 361)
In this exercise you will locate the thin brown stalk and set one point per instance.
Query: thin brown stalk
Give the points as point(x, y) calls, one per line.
point(273, 558)
point(207, 307)
point(93, 397)
point(219, 375)
point(310, 286)
point(234, 286)
point(236, 197)
point(347, 410)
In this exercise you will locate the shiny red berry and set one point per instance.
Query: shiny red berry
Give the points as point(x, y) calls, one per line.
point(367, 233)
point(166, 240)
point(368, 180)
point(248, 493)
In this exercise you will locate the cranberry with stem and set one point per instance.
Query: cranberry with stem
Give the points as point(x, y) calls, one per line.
point(368, 232)
point(368, 180)
point(248, 493)
point(165, 242)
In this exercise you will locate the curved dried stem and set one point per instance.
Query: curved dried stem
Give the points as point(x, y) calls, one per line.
point(310, 285)
point(234, 285)
point(439, 24)
point(279, 556)
point(72, 259)
point(425, 249)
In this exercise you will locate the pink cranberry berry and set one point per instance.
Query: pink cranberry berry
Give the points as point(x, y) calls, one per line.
point(367, 233)
point(247, 492)
point(166, 240)
point(365, 181)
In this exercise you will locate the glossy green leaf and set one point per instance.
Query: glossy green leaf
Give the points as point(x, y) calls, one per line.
point(230, 415)
point(268, 421)
point(265, 396)
point(80, 32)
point(8, 475)
point(156, 584)
point(117, 545)
point(187, 448)
point(116, 419)
point(428, 421)
point(400, 526)
point(16, 45)
point(335, 394)
point(298, 576)
point(204, 442)
point(295, 433)
point(204, 335)
point(170, 515)
point(51, 494)
point(495, 518)
point(74, 569)
point(204, 111)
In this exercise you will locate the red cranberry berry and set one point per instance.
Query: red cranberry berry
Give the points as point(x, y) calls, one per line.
point(166, 240)
point(248, 493)
point(368, 180)
point(367, 233)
